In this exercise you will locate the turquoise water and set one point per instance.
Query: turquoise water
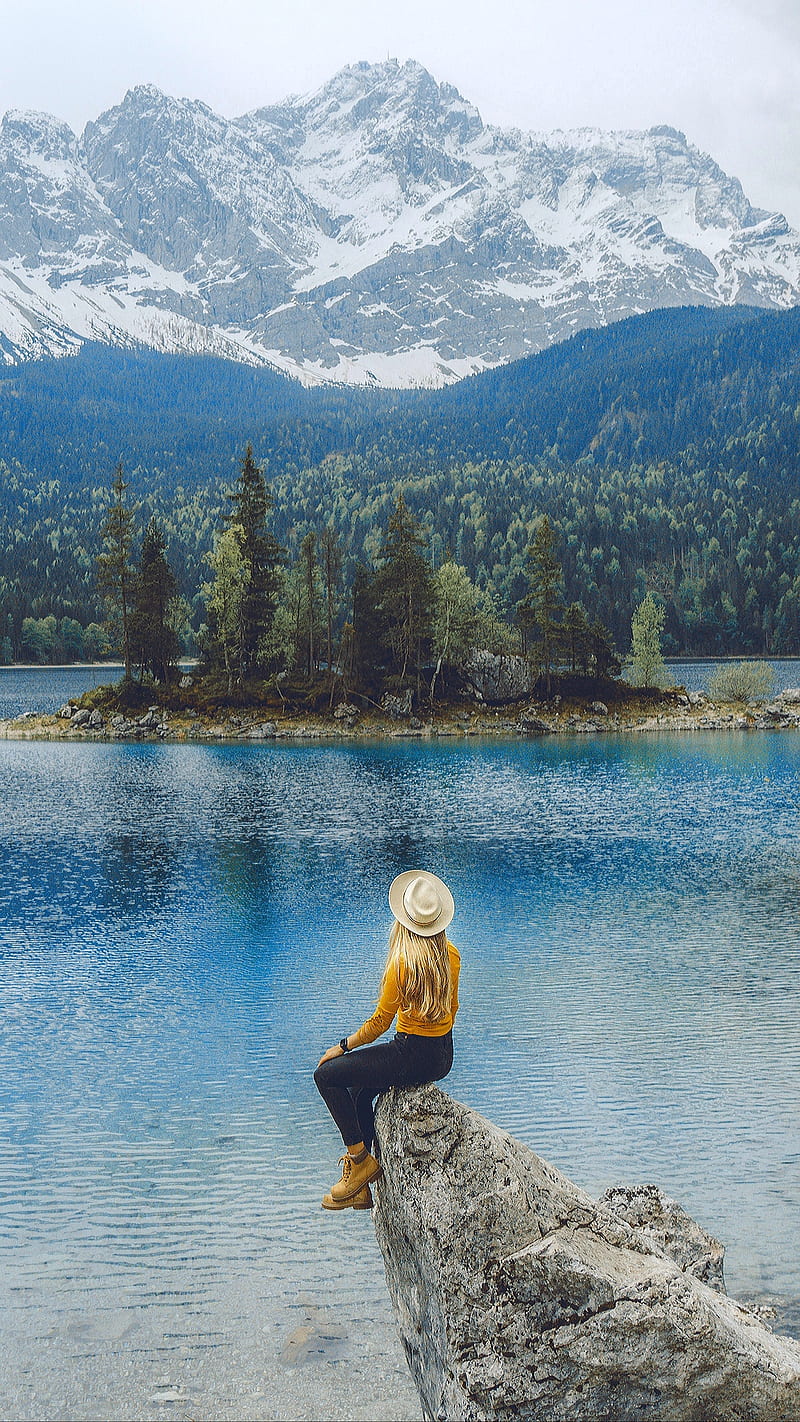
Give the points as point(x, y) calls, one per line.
point(186, 928)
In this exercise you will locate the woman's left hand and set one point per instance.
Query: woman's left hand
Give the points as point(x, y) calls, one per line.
point(330, 1054)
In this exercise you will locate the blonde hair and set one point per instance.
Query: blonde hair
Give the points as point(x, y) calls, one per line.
point(423, 971)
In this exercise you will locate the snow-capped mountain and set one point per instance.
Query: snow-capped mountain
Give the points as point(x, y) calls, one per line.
point(374, 231)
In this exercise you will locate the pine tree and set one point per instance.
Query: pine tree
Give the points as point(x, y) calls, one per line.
point(153, 640)
point(364, 654)
point(538, 611)
point(576, 635)
point(405, 588)
point(115, 570)
point(309, 581)
point(331, 572)
point(262, 556)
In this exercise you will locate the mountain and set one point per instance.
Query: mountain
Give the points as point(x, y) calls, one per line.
point(375, 232)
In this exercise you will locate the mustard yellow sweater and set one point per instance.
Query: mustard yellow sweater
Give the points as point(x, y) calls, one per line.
point(390, 1004)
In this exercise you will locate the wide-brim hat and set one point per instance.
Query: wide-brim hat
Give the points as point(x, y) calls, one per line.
point(421, 902)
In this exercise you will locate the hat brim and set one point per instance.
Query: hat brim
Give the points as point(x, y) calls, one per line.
point(396, 891)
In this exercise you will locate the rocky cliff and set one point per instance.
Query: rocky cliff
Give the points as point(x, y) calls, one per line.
point(375, 231)
point(518, 1296)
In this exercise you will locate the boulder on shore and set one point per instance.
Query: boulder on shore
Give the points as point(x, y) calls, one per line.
point(518, 1296)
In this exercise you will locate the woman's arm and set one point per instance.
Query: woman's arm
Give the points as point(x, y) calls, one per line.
point(384, 1014)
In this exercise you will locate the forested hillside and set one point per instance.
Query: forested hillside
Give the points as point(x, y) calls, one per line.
point(665, 450)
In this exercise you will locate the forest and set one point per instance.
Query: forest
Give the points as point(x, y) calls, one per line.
point(664, 452)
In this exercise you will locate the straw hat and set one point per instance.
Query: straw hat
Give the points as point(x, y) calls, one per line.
point(421, 902)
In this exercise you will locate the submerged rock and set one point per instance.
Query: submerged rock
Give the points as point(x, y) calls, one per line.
point(518, 1296)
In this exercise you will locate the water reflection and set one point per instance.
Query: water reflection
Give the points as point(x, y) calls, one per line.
point(184, 929)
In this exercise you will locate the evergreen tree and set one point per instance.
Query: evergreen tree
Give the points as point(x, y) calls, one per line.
point(331, 572)
point(154, 641)
point(115, 570)
point(604, 659)
point(405, 589)
point(576, 637)
point(309, 601)
point(538, 611)
point(647, 624)
point(261, 555)
point(364, 653)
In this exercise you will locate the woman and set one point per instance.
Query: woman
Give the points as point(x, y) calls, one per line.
point(420, 983)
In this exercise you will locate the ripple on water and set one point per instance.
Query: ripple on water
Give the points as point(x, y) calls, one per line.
point(184, 929)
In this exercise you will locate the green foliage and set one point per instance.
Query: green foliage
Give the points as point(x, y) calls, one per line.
point(742, 682)
point(538, 612)
point(153, 639)
point(225, 598)
point(404, 589)
point(457, 622)
point(115, 574)
point(261, 557)
point(664, 451)
point(95, 642)
point(646, 663)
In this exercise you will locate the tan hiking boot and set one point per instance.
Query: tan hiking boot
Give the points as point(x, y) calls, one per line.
point(355, 1175)
point(361, 1201)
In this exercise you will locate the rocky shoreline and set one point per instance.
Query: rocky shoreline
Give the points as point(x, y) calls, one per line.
point(671, 711)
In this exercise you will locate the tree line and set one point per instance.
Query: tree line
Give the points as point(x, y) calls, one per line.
point(273, 621)
point(664, 452)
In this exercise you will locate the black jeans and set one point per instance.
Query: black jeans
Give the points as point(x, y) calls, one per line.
point(350, 1084)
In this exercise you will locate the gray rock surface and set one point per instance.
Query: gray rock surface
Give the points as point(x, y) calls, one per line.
point(529, 725)
point(499, 680)
point(518, 1296)
point(397, 706)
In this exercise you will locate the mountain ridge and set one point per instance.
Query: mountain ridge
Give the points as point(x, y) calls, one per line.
point(376, 231)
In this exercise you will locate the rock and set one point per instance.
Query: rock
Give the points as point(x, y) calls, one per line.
point(262, 732)
point(500, 679)
point(80, 717)
point(66, 711)
point(96, 721)
point(397, 706)
point(697, 698)
point(532, 726)
point(599, 708)
point(789, 697)
point(653, 1213)
point(518, 1296)
point(346, 711)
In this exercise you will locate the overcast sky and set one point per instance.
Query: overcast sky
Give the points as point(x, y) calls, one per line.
point(727, 72)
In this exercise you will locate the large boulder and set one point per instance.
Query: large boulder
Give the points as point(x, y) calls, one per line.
point(518, 1296)
point(498, 680)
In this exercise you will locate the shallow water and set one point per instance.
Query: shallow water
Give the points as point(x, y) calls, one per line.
point(185, 928)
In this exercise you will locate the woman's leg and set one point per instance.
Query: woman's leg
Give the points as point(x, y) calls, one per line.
point(349, 1084)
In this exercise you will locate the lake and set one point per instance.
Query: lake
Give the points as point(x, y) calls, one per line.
point(184, 929)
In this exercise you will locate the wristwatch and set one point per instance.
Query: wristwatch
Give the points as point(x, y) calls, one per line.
point(343, 1045)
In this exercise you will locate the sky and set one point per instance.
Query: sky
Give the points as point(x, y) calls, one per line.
point(726, 72)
